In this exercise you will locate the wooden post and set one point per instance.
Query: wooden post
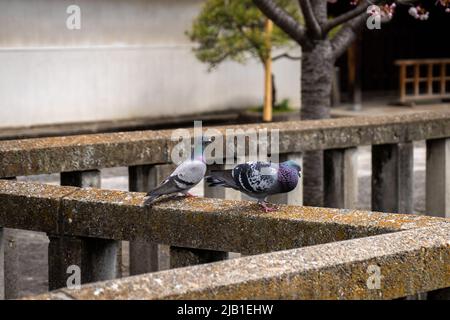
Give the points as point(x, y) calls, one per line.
point(430, 79)
point(392, 177)
point(341, 178)
point(295, 197)
point(354, 75)
point(438, 178)
point(402, 83)
point(438, 191)
point(416, 79)
point(267, 109)
point(147, 256)
point(9, 262)
point(442, 78)
point(96, 258)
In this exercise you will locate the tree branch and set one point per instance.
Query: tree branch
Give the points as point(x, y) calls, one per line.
point(283, 20)
point(342, 40)
point(360, 9)
point(310, 20)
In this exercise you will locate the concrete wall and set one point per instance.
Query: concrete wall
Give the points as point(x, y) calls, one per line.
point(129, 59)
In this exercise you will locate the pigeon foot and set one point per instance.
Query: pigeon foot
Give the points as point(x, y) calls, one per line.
point(190, 195)
point(266, 207)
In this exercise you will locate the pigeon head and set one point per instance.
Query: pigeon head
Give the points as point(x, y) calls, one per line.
point(291, 164)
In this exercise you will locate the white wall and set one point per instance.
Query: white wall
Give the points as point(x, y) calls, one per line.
point(130, 59)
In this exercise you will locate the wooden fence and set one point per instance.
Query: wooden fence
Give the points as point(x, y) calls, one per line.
point(433, 73)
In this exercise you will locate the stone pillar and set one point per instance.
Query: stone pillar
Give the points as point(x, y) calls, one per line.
point(97, 258)
point(295, 197)
point(146, 256)
point(392, 178)
point(182, 257)
point(438, 178)
point(438, 191)
point(9, 262)
point(341, 178)
point(2, 265)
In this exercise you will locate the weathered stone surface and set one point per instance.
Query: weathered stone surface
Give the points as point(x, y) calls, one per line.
point(409, 262)
point(31, 206)
point(392, 177)
point(223, 225)
point(86, 152)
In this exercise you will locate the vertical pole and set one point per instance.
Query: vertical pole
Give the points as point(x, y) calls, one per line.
point(442, 77)
point(96, 258)
point(416, 79)
point(402, 84)
point(9, 262)
point(147, 256)
point(438, 178)
point(267, 109)
point(354, 71)
point(392, 177)
point(430, 79)
point(438, 191)
point(2, 264)
point(341, 178)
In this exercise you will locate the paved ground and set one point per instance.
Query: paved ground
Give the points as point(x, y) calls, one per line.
point(33, 246)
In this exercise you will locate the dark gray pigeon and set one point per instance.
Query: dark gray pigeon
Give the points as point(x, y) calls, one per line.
point(258, 179)
point(186, 176)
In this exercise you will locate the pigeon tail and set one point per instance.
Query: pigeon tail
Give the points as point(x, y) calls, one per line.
point(223, 178)
point(151, 197)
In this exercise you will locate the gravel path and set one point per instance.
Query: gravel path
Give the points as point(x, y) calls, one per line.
point(33, 245)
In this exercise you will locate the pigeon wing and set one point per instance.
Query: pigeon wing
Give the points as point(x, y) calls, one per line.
point(185, 177)
point(256, 177)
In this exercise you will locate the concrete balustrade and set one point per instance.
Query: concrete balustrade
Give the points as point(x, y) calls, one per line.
point(438, 178)
point(412, 252)
point(86, 225)
point(99, 259)
point(341, 178)
point(89, 152)
point(392, 177)
point(408, 262)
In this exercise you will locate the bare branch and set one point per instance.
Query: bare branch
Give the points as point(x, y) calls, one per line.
point(283, 20)
point(310, 20)
point(286, 55)
point(360, 9)
point(342, 40)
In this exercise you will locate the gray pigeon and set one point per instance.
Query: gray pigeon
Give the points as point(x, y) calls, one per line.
point(258, 179)
point(186, 176)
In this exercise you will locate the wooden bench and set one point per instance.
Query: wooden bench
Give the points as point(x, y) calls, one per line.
point(436, 72)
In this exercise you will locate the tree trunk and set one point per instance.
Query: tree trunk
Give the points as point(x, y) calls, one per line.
point(274, 92)
point(316, 79)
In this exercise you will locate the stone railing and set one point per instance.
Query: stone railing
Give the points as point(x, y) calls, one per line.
point(412, 253)
point(85, 226)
